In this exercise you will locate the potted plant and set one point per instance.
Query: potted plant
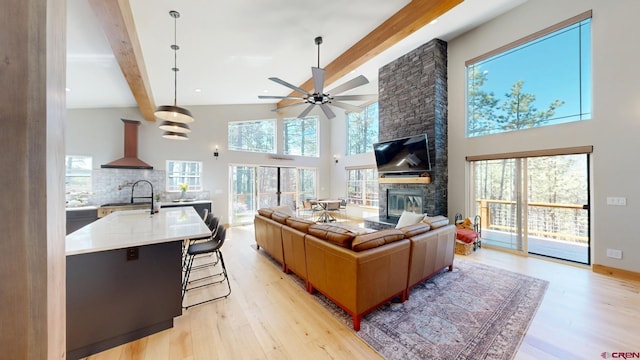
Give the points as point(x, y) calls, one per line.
point(183, 187)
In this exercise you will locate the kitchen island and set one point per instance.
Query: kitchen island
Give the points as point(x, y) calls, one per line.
point(124, 274)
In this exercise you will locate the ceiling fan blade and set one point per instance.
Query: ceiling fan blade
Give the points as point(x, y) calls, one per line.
point(346, 106)
point(306, 111)
point(327, 111)
point(280, 97)
point(282, 82)
point(318, 79)
point(356, 97)
point(353, 83)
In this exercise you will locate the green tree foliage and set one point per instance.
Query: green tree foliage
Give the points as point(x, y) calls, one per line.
point(518, 112)
point(362, 130)
point(488, 114)
point(482, 104)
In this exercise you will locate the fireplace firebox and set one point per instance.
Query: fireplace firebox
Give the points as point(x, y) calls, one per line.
point(399, 200)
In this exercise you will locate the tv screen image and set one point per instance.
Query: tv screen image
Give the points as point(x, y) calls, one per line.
point(404, 155)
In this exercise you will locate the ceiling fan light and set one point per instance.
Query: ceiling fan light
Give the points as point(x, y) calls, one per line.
point(174, 113)
point(175, 136)
point(176, 127)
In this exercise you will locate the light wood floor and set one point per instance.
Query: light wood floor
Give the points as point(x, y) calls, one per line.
point(268, 317)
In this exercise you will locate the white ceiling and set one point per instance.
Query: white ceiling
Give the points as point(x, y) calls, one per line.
point(229, 48)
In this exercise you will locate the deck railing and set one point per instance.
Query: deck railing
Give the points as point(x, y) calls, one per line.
point(566, 222)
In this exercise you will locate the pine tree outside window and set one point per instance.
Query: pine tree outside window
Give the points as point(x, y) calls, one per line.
point(544, 79)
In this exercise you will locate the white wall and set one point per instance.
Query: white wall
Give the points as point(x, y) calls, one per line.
point(613, 131)
point(99, 133)
point(339, 148)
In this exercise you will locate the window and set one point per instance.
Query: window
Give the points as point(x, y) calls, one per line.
point(362, 130)
point(306, 184)
point(301, 136)
point(256, 136)
point(362, 186)
point(544, 79)
point(184, 172)
point(77, 174)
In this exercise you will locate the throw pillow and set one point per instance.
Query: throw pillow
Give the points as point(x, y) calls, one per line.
point(408, 218)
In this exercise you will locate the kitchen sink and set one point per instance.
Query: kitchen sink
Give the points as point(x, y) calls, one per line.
point(106, 209)
point(124, 204)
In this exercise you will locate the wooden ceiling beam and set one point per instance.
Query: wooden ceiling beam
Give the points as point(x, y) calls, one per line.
point(117, 22)
point(406, 21)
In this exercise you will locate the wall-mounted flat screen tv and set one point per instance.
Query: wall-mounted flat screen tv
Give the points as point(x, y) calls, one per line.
point(405, 155)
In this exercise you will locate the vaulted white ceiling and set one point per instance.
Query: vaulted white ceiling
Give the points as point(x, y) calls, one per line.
point(229, 48)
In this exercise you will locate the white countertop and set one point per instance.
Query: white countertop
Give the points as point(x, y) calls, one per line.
point(123, 229)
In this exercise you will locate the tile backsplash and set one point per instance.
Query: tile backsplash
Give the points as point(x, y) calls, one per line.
point(114, 186)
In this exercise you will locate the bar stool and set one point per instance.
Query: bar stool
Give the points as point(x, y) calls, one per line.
point(207, 247)
point(212, 222)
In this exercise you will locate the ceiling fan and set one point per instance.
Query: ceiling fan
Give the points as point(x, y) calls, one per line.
point(319, 97)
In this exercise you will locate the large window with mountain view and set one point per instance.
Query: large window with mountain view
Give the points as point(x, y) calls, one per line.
point(362, 130)
point(543, 79)
point(301, 136)
point(254, 135)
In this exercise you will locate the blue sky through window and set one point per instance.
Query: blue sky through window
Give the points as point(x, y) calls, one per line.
point(556, 66)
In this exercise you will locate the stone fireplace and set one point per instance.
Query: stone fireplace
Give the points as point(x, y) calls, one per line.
point(399, 200)
point(412, 100)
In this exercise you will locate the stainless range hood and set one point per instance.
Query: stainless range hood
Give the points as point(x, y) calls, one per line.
point(130, 159)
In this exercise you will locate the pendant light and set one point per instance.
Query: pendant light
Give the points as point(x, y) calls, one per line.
point(175, 117)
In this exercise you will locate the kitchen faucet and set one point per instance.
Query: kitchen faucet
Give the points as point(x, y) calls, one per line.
point(142, 197)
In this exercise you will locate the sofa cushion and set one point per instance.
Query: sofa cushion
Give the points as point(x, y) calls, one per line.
point(280, 217)
point(285, 209)
point(436, 221)
point(333, 234)
point(375, 239)
point(466, 235)
point(409, 218)
point(299, 224)
point(266, 212)
point(415, 229)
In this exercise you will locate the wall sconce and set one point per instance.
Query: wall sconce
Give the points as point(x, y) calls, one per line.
point(335, 158)
point(216, 153)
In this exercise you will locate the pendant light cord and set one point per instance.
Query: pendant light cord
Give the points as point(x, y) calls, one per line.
point(175, 48)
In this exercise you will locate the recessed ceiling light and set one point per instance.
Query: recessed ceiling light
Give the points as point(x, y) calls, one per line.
point(198, 90)
point(67, 89)
point(265, 91)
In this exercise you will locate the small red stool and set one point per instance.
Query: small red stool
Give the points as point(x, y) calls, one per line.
point(467, 236)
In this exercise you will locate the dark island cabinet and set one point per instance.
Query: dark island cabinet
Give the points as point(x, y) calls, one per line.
point(79, 218)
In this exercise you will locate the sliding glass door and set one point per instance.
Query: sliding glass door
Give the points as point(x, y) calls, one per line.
point(242, 197)
point(255, 187)
point(497, 193)
point(537, 205)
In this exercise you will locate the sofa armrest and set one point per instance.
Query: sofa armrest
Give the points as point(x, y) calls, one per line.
point(431, 252)
point(269, 236)
point(357, 281)
point(293, 248)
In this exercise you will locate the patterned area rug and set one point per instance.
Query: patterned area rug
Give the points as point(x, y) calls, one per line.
point(473, 312)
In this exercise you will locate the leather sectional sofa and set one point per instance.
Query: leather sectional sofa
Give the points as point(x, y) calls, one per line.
point(358, 269)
